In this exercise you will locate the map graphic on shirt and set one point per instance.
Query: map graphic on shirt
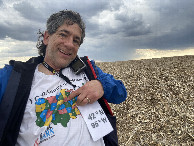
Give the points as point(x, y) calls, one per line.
point(56, 109)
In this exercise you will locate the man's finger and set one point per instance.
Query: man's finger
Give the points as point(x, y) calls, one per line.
point(74, 94)
point(81, 99)
point(83, 102)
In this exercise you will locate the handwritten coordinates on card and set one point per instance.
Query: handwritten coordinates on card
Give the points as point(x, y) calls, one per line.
point(96, 120)
point(93, 117)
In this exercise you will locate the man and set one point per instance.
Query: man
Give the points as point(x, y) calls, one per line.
point(40, 98)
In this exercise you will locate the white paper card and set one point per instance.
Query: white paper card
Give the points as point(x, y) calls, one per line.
point(96, 120)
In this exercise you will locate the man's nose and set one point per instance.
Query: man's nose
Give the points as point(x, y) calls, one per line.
point(69, 42)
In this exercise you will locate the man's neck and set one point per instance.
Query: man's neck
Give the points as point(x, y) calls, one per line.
point(43, 69)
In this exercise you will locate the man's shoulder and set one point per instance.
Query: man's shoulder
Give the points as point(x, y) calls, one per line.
point(31, 63)
point(6, 70)
point(4, 77)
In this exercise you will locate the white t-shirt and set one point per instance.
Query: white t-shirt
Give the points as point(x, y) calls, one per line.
point(50, 119)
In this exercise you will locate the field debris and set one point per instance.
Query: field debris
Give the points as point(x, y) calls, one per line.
point(159, 109)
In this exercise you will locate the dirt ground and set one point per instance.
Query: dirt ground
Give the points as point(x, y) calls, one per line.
point(159, 109)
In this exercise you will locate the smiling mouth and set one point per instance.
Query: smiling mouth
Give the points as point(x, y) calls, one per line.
point(64, 52)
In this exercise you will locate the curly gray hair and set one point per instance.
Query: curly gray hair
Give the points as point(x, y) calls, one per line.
point(55, 21)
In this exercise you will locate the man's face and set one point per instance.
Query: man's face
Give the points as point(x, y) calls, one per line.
point(62, 46)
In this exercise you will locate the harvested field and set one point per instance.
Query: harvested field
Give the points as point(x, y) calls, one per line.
point(159, 109)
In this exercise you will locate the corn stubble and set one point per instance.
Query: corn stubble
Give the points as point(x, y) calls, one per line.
point(159, 109)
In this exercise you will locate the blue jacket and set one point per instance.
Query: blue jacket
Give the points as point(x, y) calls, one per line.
point(15, 82)
point(4, 77)
point(114, 90)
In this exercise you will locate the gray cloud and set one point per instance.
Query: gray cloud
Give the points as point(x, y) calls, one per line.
point(132, 26)
point(39, 14)
point(28, 11)
point(177, 38)
point(89, 8)
point(123, 22)
point(18, 32)
point(153, 24)
point(86, 8)
point(174, 26)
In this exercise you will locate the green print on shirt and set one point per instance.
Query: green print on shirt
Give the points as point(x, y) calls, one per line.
point(56, 109)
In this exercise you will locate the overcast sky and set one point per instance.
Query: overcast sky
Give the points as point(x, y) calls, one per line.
point(116, 30)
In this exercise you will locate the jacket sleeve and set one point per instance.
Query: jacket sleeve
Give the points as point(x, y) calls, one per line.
point(4, 77)
point(114, 90)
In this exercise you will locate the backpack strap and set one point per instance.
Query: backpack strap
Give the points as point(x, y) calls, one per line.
point(91, 74)
point(111, 138)
point(8, 100)
point(16, 96)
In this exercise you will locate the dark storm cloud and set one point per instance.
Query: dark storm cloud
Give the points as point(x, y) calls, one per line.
point(175, 27)
point(129, 26)
point(1, 2)
point(90, 8)
point(39, 15)
point(124, 23)
point(28, 11)
point(86, 8)
point(18, 32)
point(174, 12)
point(23, 29)
point(182, 38)
point(166, 6)
point(132, 26)
point(110, 49)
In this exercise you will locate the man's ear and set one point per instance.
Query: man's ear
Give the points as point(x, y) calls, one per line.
point(46, 38)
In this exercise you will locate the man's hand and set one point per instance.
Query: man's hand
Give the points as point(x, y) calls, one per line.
point(88, 93)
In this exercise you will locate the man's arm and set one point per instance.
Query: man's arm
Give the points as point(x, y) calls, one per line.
point(4, 77)
point(114, 90)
